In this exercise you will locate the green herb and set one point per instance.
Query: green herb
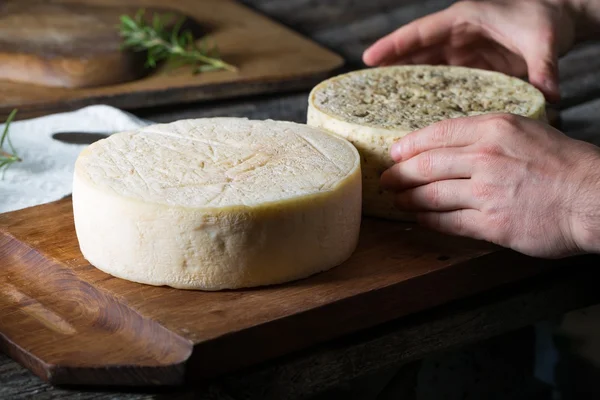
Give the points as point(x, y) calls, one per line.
point(9, 156)
point(160, 44)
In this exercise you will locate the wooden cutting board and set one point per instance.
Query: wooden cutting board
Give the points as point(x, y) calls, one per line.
point(52, 43)
point(58, 55)
point(73, 324)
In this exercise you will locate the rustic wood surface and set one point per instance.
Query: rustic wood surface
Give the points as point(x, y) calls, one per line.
point(65, 45)
point(268, 56)
point(105, 330)
point(347, 27)
point(399, 342)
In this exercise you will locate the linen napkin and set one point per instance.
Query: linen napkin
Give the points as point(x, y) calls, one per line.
point(46, 172)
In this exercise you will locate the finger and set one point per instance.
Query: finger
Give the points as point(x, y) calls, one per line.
point(537, 44)
point(423, 32)
point(454, 132)
point(504, 60)
point(447, 195)
point(427, 167)
point(542, 64)
point(471, 62)
point(460, 222)
point(432, 55)
point(488, 55)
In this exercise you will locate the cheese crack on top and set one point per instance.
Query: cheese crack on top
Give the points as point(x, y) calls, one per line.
point(375, 107)
point(218, 203)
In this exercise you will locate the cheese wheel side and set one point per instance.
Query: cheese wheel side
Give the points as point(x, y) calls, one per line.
point(372, 113)
point(373, 144)
point(229, 246)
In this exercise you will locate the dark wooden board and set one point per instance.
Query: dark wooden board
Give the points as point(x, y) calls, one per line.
point(269, 57)
point(71, 323)
point(348, 26)
point(56, 44)
point(453, 326)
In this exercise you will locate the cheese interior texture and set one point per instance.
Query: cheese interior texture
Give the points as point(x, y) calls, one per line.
point(373, 108)
point(218, 203)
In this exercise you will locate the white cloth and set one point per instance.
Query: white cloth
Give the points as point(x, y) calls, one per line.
point(46, 172)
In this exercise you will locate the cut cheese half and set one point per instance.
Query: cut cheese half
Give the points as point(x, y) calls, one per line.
point(373, 108)
point(218, 203)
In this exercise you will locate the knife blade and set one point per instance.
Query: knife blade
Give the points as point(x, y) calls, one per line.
point(79, 137)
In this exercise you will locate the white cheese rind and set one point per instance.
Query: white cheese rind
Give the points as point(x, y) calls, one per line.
point(155, 236)
point(368, 113)
point(373, 145)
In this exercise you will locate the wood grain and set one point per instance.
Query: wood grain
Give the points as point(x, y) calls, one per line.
point(339, 361)
point(457, 324)
point(103, 330)
point(349, 27)
point(269, 58)
point(65, 45)
point(71, 44)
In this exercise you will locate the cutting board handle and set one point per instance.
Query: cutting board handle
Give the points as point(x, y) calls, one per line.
point(70, 324)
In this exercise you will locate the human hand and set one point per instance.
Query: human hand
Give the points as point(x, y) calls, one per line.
point(502, 178)
point(516, 37)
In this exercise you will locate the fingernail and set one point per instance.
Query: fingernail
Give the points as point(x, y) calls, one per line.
point(396, 152)
point(365, 58)
point(371, 58)
point(552, 88)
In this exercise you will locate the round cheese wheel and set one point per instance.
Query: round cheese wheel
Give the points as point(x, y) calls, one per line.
point(218, 203)
point(375, 107)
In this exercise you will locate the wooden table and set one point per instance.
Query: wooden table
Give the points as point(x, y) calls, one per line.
point(347, 27)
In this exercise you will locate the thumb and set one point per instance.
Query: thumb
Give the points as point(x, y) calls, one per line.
point(541, 57)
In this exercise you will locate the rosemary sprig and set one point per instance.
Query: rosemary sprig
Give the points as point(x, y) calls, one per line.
point(160, 44)
point(7, 158)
